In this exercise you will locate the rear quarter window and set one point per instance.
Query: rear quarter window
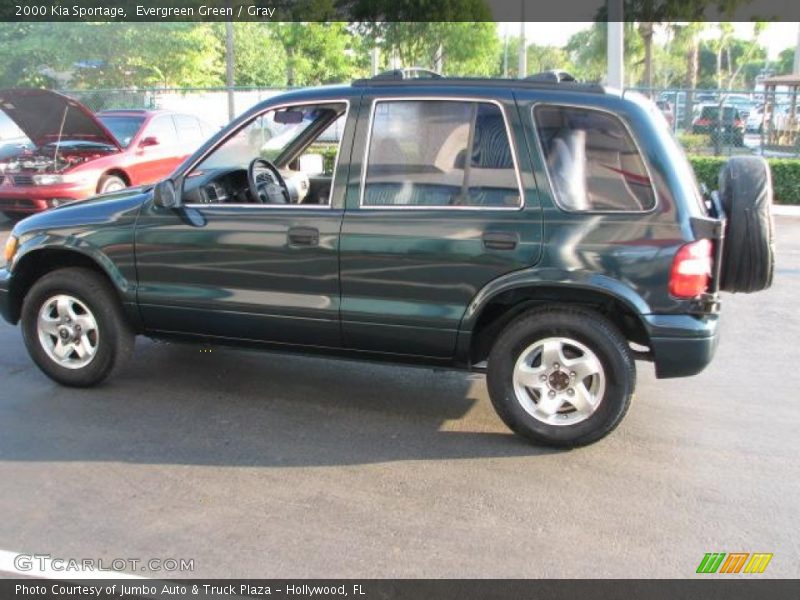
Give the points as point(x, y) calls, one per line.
point(592, 161)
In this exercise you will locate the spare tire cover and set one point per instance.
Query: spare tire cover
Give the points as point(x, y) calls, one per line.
point(748, 253)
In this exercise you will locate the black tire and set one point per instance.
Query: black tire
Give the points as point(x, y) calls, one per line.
point(110, 183)
point(115, 339)
point(748, 252)
point(587, 327)
point(14, 217)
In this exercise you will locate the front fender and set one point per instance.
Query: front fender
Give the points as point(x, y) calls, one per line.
point(98, 233)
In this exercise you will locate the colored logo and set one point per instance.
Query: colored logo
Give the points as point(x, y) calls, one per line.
point(734, 562)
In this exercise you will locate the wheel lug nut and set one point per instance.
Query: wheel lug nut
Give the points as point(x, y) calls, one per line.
point(572, 374)
point(542, 377)
point(551, 393)
point(570, 392)
point(556, 365)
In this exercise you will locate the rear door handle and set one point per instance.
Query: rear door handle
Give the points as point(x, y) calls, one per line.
point(303, 236)
point(500, 240)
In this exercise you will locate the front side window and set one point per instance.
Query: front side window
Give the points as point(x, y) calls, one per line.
point(593, 163)
point(300, 145)
point(163, 130)
point(440, 153)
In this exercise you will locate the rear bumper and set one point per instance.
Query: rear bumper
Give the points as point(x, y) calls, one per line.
point(682, 345)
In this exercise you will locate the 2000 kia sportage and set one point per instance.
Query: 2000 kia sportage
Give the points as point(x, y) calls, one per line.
point(547, 233)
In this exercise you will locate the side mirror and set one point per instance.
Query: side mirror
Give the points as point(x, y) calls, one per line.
point(149, 141)
point(311, 164)
point(165, 195)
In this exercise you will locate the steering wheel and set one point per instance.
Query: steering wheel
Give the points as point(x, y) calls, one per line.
point(267, 185)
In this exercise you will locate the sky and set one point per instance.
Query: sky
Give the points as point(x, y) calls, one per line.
point(777, 37)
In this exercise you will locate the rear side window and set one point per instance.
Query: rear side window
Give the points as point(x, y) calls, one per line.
point(440, 153)
point(592, 161)
point(189, 130)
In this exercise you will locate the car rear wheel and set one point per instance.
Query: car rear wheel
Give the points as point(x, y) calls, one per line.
point(561, 377)
point(110, 183)
point(74, 329)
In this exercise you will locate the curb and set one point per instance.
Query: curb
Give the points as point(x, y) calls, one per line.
point(786, 210)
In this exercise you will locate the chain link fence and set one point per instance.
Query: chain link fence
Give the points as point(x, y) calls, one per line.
point(210, 104)
point(706, 122)
point(730, 122)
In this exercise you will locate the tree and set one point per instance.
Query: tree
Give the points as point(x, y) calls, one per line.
point(259, 56)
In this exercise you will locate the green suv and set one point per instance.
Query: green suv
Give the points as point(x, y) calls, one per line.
point(547, 233)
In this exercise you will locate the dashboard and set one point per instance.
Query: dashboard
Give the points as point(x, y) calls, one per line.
point(230, 186)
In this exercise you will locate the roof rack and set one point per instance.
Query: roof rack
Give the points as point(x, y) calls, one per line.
point(547, 81)
point(553, 76)
point(408, 73)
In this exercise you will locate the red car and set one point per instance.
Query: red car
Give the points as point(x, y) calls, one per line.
point(76, 154)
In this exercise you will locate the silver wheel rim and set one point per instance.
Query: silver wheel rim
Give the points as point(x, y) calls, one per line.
point(113, 186)
point(559, 381)
point(68, 331)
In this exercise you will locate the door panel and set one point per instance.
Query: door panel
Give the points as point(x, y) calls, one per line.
point(444, 205)
point(234, 271)
point(154, 163)
point(408, 276)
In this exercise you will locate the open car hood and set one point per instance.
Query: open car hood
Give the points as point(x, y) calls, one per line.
point(43, 114)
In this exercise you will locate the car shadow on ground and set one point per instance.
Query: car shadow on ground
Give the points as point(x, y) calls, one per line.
point(192, 405)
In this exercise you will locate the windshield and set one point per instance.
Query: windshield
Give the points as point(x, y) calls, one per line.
point(712, 112)
point(123, 128)
point(268, 136)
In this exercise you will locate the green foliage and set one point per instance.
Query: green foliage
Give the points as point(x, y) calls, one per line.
point(460, 48)
point(785, 175)
point(694, 142)
point(785, 62)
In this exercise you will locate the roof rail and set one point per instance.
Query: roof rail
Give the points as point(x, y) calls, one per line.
point(533, 83)
point(553, 76)
point(408, 73)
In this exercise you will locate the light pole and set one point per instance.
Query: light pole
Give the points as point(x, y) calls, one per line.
point(615, 53)
point(229, 67)
point(796, 69)
point(523, 51)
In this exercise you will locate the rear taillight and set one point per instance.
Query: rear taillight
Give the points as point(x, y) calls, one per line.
point(702, 122)
point(691, 269)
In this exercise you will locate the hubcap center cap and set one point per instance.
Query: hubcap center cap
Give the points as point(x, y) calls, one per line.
point(66, 333)
point(558, 381)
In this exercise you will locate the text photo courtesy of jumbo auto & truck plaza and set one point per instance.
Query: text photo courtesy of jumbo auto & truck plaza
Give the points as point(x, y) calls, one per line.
point(372, 299)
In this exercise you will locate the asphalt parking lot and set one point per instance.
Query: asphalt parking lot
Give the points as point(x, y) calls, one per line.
point(260, 465)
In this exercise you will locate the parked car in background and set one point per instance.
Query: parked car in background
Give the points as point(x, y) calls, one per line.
point(10, 148)
point(666, 110)
point(754, 123)
point(73, 154)
point(729, 129)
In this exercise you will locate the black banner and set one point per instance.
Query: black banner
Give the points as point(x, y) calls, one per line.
point(367, 589)
point(399, 10)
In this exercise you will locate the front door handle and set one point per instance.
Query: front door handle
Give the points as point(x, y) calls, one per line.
point(500, 240)
point(303, 236)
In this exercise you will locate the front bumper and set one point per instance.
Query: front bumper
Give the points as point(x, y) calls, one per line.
point(33, 199)
point(682, 345)
point(5, 300)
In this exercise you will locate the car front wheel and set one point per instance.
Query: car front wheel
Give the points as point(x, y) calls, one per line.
point(73, 327)
point(110, 183)
point(561, 376)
